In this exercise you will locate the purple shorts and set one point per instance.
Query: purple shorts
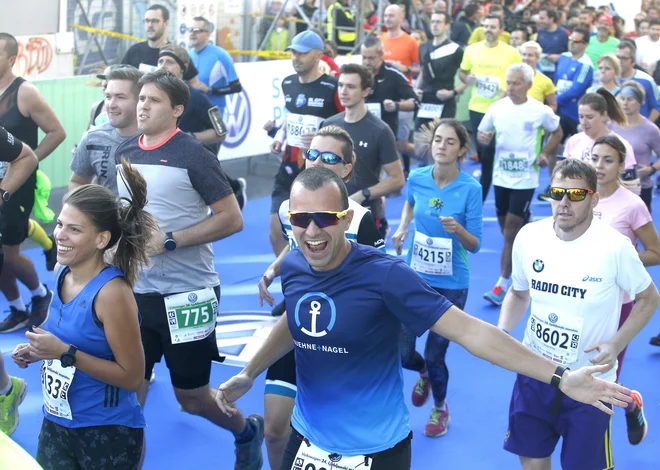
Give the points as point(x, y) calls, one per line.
point(537, 420)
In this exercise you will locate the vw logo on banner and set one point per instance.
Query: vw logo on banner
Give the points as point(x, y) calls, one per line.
point(237, 117)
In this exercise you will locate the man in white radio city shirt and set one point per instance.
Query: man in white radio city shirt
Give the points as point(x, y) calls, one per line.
point(574, 269)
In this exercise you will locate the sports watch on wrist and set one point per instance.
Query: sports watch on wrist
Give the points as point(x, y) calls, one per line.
point(5, 195)
point(170, 242)
point(556, 377)
point(68, 359)
point(366, 193)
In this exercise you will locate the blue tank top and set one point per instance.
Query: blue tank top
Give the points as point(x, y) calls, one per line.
point(92, 402)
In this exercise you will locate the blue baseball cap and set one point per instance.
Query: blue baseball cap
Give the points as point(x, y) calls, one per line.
point(305, 42)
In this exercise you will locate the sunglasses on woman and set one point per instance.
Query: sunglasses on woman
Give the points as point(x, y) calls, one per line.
point(328, 158)
point(574, 194)
point(322, 219)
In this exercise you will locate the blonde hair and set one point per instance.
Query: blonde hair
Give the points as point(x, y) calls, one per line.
point(531, 45)
point(613, 60)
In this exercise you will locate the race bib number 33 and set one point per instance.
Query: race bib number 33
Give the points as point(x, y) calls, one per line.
point(55, 383)
point(191, 315)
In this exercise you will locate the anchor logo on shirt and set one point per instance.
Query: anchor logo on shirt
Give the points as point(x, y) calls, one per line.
point(317, 314)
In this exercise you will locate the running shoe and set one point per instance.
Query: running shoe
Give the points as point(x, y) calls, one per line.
point(16, 320)
point(241, 194)
point(545, 195)
point(39, 309)
point(51, 255)
point(496, 296)
point(421, 391)
point(655, 341)
point(248, 455)
point(438, 423)
point(9, 405)
point(636, 421)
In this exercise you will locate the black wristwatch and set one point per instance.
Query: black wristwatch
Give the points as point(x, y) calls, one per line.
point(68, 359)
point(170, 242)
point(556, 377)
point(367, 194)
point(5, 195)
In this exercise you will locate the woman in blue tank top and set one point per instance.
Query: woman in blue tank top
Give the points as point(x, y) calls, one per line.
point(92, 362)
point(446, 206)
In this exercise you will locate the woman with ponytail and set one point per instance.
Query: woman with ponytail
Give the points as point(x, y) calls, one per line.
point(90, 347)
point(628, 214)
point(595, 110)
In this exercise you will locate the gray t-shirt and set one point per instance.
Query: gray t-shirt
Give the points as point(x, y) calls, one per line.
point(183, 180)
point(95, 155)
point(375, 146)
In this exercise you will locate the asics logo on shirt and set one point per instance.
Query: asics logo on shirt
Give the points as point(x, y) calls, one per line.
point(315, 314)
point(592, 279)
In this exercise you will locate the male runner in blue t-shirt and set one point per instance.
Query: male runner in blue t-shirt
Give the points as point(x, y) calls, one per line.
point(345, 304)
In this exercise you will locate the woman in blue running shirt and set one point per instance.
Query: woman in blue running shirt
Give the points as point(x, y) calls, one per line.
point(445, 203)
point(90, 347)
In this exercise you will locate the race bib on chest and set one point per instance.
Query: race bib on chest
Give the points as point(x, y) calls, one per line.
point(311, 457)
point(563, 86)
point(546, 64)
point(299, 124)
point(556, 337)
point(430, 111)
point(191, 315)
point(515, 165)
point(432, 255)
point(488, 87)
point(374, 108)
point(55, 384)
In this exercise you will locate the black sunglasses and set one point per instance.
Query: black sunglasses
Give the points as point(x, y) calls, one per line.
point(574, 194)
point(328, 158)
point(322, 219)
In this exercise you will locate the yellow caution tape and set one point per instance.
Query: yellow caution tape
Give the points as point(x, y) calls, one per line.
point(112, 34)
point(265, 54)
point(105, 32)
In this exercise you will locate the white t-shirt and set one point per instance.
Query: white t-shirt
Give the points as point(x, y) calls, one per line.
point(576, 288)
point(519, 130)
point(648, 52)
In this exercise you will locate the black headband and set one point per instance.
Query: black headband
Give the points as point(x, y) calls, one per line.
point(175, 57)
